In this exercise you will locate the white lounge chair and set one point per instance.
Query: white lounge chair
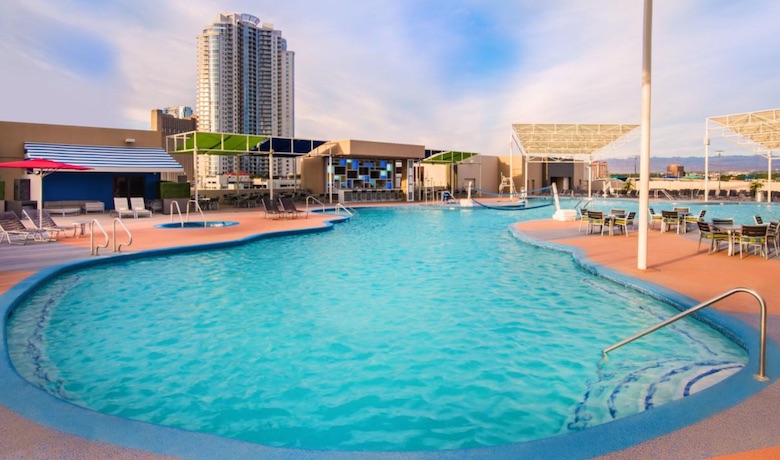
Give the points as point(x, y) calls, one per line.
point(47, 224)
point(13, 229)
point(138, 207)
point(121, 208)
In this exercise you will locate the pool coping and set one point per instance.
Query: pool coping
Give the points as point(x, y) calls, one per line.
point(35, 404)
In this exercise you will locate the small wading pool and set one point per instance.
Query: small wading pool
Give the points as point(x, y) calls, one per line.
point(199, 224)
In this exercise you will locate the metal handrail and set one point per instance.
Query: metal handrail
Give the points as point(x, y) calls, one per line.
point(762, 327)
point(341, 206)
point(93, 250)
point(197, 208)
point(178, 211)
point(314, 199)
point(118, 248)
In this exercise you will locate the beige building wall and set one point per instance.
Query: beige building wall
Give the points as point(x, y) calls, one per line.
point(13, 135)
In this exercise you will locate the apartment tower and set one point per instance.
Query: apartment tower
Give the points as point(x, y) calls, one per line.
point(245, 82)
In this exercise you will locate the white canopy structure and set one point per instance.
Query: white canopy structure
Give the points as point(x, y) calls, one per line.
point(759, 130)
point(568, 143)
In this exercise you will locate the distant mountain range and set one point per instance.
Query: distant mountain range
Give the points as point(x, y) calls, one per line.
point(725, 164)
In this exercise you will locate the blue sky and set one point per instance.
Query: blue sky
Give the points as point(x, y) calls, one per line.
point(446, 74)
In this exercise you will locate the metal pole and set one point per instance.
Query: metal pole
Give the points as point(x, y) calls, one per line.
point(271, 173)
point(706, 161)
point(330, 176)
point(644, 164)
point(720, 170)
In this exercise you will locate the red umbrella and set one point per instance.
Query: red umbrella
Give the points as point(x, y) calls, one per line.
point(44, 167)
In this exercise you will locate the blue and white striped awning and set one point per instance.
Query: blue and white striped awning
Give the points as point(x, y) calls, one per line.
point(103, 158)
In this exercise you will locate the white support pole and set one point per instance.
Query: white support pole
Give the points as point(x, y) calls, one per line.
point(644, 163)
point(769, 178)
point(706, 163)
point(270, 173)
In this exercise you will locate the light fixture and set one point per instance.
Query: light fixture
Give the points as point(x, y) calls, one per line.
point(129, 140)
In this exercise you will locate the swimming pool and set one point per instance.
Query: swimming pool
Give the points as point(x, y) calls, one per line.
point(444, 308)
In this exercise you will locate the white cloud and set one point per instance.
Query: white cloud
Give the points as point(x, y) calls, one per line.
point(384, 70)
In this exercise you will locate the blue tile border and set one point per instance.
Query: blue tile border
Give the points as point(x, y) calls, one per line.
point(35, 404)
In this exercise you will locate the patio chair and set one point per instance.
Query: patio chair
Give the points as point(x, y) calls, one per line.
point(583, 218)
point(654, 217)
point(12, 229)
point(288, 205)
point(623, 222)
point(139, 208)
point(47, 223)
point(755, 236)
point(773, 235)
point(271, 209)
point(716, 237)
point(121, 208)
point(694, 219)
point(670, 218)
point(596, 218)
point(758, 220)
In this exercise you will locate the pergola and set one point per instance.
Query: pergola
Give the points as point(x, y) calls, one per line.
point(759, 130)
point(447, 157)
point(206, 143)
point(568, 143)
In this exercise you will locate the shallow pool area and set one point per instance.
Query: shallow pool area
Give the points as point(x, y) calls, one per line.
point(458, 337)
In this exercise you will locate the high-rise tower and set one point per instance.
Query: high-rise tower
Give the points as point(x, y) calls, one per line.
point(246, 78)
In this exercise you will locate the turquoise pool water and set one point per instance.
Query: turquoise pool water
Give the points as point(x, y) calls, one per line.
point(407, 329)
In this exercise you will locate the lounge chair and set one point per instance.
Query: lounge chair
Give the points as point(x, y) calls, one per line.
point(138, 207)
point(288, 205)
point(47, 224)
point(12, 229)
point(755, 236)
point(758, 220)
point(271, 209)
point(121, 209)
point(716, 237)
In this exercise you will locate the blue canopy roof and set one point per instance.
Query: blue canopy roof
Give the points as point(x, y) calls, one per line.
point(104, 158)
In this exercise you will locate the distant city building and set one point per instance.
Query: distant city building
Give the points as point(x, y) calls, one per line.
point(245, 84)
point(178, 111)
point(675, 170)
point(599, 170)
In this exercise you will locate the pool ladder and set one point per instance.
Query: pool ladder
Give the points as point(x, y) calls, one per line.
point(94, 249)
point(761, 376)
point(339, 206)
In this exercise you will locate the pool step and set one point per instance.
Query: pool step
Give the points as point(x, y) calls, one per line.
point(624, 389)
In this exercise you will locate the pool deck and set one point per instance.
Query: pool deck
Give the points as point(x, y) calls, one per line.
point(747, 430)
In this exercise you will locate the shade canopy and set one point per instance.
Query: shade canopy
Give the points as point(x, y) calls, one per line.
point(106, 158)
point(579, 140)
point(43, 164)
point(761, 128)
point(45, 167)
point(446, 156)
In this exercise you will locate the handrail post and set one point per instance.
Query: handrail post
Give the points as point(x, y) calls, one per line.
point(118, 248)
point(761, 376)
point(93, 250)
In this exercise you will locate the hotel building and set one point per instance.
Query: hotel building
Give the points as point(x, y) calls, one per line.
point(246, 85)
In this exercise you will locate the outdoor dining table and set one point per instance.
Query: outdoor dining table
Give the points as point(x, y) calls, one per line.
point(731, 230)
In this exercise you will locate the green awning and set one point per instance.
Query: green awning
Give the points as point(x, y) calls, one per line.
point(448, 157)
point(216, 143)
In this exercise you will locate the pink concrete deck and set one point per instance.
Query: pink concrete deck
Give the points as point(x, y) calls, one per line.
point(749, 430)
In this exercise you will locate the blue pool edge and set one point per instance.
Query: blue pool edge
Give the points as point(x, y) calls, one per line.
point(35, 404)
